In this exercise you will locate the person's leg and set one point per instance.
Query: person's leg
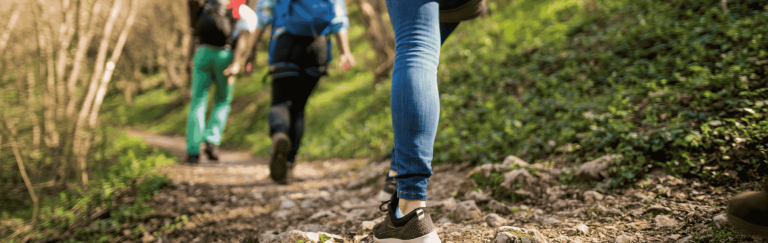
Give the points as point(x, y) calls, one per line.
point(303, 87)
point(446, 29)
point(222, 98)
point(415, 101)
point(201, 80)
point(279, 126)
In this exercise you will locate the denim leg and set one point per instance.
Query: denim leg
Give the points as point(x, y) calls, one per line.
point(415, 102)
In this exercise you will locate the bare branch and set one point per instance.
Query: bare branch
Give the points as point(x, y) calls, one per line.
point(81, 143)
point(22, 170)
point(86, 35)
point(11, 24)
point(112, 61)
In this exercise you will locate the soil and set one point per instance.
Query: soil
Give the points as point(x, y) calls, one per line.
point(233, 200)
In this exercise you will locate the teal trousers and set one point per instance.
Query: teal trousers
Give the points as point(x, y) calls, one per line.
point(209, 65)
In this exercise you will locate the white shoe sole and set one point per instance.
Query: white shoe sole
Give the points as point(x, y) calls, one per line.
point(429, 238)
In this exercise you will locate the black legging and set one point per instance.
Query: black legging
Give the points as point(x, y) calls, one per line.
point(290, 94)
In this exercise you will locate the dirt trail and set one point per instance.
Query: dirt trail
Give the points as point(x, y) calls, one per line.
point(233, 200)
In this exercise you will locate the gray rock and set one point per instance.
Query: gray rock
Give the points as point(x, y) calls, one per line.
point(561, 239)
point(282, 214)
point(477, 196)
point(295, 235)
point(366, 227)
point(313, 228)
point(664, 221)
point(494, 220)
point(582, 229)
point(657, 209)
point(443, 220)
point(528, 235)
point(513, 160)
point(554, 193)
point(264, 237)
point(466, 186)
point(720, 220)
point(592, 197)
point(362, 239)
point(320, 214)
point(623, 239)
point(686, 239)
point(497, 207)
point(466, 210)
point(595, 170)
point(520, 176)
point(551, 221)
point(560, 204)
point(505, 237)
point(449, 203)
point(287, 204)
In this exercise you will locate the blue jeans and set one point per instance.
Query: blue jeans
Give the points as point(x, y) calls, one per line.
point(415, 101)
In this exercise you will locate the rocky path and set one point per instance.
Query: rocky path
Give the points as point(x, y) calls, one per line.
point(335, 200)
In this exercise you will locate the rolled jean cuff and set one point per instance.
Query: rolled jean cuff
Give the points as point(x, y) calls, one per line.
point(416, 191)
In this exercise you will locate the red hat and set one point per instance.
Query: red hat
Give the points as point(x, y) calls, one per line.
point(235, 5)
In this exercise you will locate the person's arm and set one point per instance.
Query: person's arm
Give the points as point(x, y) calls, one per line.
point(252, 50)
point(238, 59)
point(245, 27)
point(346, 60)
point(340, 24)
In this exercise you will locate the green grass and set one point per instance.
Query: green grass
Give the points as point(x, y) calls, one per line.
point(672, 85)
point(130, 168)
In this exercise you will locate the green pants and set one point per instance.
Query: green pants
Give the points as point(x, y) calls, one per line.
point(210, 63)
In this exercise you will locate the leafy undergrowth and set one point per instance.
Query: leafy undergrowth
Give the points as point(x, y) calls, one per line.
point(120, 195)
point(668, 85)
point(673, 85)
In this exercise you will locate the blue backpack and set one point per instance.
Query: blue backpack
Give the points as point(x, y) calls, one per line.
point(308, 17)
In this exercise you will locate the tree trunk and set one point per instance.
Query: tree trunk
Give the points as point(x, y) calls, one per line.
point(52, 137)
point(32, 107)
point(81, 142)
point(112, 61)
point(22, 170)
point(11, 23)
point(85, 36)
point(66, 32)
point(379, 38)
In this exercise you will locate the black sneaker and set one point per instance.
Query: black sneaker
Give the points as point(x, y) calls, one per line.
point(414, 227)
point(389, 188)
point(212, 151)
point(193, 159)
point(279, 167)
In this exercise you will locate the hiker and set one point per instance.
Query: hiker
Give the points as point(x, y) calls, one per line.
point(299, 52)
point(420, 28)
point(218, 26)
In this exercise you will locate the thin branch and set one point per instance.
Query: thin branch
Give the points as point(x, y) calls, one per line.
point(27, 182)
point(11, 24)
point(112, 61)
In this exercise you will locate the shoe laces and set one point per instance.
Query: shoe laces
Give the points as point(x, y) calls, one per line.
point(382, 205)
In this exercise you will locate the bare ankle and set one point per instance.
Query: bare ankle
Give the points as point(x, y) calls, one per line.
point(406, 205)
